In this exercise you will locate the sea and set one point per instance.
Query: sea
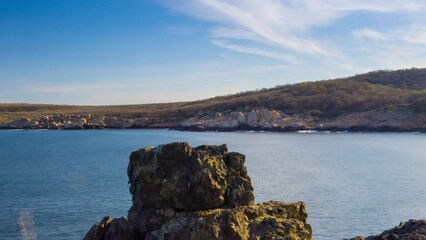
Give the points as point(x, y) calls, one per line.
point(56, 184)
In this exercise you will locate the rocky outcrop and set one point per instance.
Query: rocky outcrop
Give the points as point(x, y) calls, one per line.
point(398, 119)
point(84, 121)
point(180, 177)
point(180, 192)
point(411, 230)
point(258, 118)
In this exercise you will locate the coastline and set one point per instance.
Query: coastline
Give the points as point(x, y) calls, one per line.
point(352, 129)
point(256, 119)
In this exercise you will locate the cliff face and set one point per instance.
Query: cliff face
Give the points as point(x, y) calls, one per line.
point(258, 118)
point(269, 119)
point(180, 192)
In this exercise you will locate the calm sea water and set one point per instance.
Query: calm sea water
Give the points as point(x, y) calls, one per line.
point(352, 183)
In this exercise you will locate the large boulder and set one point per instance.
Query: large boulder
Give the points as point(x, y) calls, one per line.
point(180, 192)
point(178, 176)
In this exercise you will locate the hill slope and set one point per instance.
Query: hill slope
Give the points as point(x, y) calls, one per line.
point(401, 92)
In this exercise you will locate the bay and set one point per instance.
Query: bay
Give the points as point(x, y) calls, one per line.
point(352, 183)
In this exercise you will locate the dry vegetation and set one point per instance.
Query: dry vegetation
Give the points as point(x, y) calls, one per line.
point(379, 89)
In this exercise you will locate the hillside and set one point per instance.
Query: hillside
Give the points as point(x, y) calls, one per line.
point(401, 91)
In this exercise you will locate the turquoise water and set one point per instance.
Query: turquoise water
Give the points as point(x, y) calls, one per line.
point(352, 183)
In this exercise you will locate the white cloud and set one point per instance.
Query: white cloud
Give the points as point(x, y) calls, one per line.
point(285, 24)
point(310, 34)
point(411, 35)
point(371, 34)
point(255, 51)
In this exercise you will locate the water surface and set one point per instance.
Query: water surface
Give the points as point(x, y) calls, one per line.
point(352, 183)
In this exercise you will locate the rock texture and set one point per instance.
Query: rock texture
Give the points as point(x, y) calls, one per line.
point(180, 177)
point(411, 230)
point(273, 120)
point(257, 118)
point(180, 192)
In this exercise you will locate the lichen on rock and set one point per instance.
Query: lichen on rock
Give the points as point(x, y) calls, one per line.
point(178, 176)
point(180, 192)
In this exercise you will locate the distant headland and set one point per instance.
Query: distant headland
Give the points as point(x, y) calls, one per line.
point(375, 101)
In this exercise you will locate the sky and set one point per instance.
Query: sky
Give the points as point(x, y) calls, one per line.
point(147, 51)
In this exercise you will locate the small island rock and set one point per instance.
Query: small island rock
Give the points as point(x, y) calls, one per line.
point(180, 192)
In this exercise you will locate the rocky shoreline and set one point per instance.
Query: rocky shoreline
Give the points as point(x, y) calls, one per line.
point(411, 230)
point(85, 121)
point(257, 119)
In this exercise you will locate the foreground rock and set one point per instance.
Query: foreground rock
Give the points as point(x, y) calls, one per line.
point(411, 230)
point(180, 192)
point(184, 178)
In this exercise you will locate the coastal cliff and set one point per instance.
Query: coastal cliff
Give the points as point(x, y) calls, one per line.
point(180, 192)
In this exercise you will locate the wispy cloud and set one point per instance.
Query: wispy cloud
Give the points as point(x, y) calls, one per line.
point(286, 30)
point(370, 34)
point(414, 34)
point(255, 51)
point(411, 35)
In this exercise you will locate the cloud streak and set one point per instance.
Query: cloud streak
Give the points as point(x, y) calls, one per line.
point(287, 30)
point(255, 51)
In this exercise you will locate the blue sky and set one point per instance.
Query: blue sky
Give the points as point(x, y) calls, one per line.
point(144, 51)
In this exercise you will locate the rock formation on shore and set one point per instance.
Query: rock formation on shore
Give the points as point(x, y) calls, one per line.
point(180, 192)
point(411, 230)
point(257, 118)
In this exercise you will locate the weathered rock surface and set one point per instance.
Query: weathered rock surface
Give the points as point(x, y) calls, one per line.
point(178, 176)
point(258, 118)
point(272, 220)
point(269, 119)
point(180, 192)
point(411, 230)
point(112, 229)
